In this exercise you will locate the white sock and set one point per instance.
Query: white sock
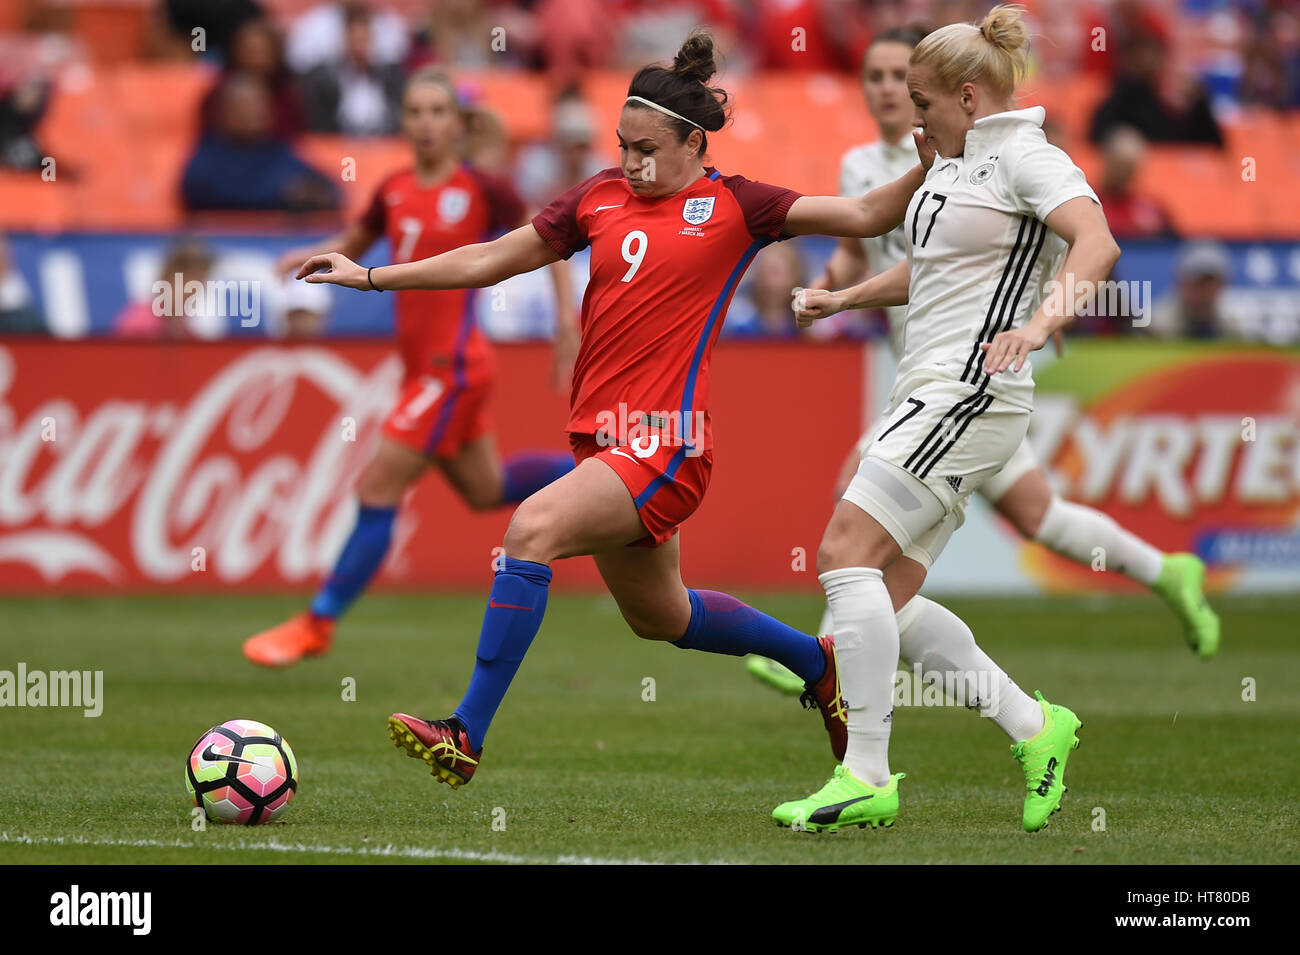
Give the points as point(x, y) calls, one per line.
point(1076, 531)
point(866, 646)
point(827, 624)
point(936, 638)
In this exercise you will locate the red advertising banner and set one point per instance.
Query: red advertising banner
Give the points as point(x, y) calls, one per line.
point(201, 467)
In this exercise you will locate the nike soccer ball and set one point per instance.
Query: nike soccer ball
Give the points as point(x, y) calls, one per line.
point(242, 772)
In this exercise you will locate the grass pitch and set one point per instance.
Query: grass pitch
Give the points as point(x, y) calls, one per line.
point(588, 761)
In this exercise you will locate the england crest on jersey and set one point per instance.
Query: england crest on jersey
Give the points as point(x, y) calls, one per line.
point(452, 205)
point(698, 211)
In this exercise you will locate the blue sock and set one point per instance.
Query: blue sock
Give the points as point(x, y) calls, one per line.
point(722, 624)
point(513, 616)
point(526, 474)
point(361, 557)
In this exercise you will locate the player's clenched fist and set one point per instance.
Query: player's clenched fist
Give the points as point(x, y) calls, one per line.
point(811, 304)
point(337, 270)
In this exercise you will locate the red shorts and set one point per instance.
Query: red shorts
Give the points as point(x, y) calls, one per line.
point(436, 418)
point(666, 483)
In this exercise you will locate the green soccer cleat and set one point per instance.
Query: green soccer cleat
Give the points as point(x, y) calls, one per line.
point(1181, 585)
point(845, 800)
point(1043, 757)
point(774, 674)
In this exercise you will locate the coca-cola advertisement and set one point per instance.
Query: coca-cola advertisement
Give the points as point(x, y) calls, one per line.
point(210, 466)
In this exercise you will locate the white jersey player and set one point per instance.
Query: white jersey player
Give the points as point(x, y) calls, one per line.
point(1000, 213)
point(1020, 491)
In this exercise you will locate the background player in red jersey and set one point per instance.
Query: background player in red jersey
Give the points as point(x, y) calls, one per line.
point(440, 418)
point(670, 238)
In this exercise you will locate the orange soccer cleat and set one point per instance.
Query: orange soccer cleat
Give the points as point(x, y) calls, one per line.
point(301, 636)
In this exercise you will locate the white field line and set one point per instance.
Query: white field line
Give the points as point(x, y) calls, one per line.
point(271, 845)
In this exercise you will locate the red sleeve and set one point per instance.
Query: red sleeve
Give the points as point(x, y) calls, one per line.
point(558, 224)
point(505, 208)
point(765, 207)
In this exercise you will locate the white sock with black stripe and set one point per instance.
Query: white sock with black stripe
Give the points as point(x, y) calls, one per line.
point(866, 646)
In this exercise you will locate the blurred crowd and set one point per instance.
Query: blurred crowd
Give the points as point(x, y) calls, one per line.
point(284, 68)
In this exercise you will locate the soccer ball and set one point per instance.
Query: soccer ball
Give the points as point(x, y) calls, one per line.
point(242, 772)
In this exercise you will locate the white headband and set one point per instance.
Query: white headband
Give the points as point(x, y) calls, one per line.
point(664, 109)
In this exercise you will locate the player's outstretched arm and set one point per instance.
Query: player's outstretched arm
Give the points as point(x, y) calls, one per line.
point(890, 287)
point(1092, 254)
point(879, 211)
point(470, 266)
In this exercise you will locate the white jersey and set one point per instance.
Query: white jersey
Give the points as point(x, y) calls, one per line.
point(862, 169)
point(980, 253)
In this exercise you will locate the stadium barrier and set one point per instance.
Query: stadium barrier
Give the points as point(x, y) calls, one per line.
point(205, 467)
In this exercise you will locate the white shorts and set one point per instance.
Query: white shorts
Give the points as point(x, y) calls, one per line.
point(946, 438)
point(1022, 462)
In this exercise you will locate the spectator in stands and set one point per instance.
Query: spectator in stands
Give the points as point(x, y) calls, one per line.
point(487, 142)
point(574, 36)
point(218, 22)
point(1137, 100)
point(813, 35)
point(1196, 309)
point(242, 165)
point(256, 52)
point(1111, 30)
point(354, 95)
point(1270, 77)
point(544, 170)
point(320, 35)
point(306, 310)
point(477, 35)
point(761, 307)
point(23, 99)
point(170, 312)
point(1130, 214)
point(18, 316)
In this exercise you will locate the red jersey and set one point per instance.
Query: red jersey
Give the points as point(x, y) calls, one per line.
point(663, 271)
point(436, 329)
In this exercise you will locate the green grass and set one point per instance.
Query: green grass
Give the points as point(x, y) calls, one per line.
point(583, 767)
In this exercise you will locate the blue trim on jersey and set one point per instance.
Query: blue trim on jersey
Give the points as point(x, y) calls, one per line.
point(697, 359)
point(673, 464)
point(688, 396)
point(715, 175)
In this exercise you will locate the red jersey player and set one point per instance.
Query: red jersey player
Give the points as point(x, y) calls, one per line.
point(670, 238)
point(440, 418)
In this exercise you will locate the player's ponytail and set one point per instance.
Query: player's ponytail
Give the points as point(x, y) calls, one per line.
point(996, 52)
point(681, 92)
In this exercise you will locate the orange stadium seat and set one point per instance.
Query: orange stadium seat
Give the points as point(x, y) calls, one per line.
point(122, 133)
point(373, 160)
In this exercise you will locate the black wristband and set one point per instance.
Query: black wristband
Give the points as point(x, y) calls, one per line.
point(372, 281)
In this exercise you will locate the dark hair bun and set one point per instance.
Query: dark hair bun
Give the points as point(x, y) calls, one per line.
point(684, 88)
point(694, 61)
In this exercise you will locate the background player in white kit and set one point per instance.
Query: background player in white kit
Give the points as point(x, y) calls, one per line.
point(1000, 213)
point(1020, 492)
